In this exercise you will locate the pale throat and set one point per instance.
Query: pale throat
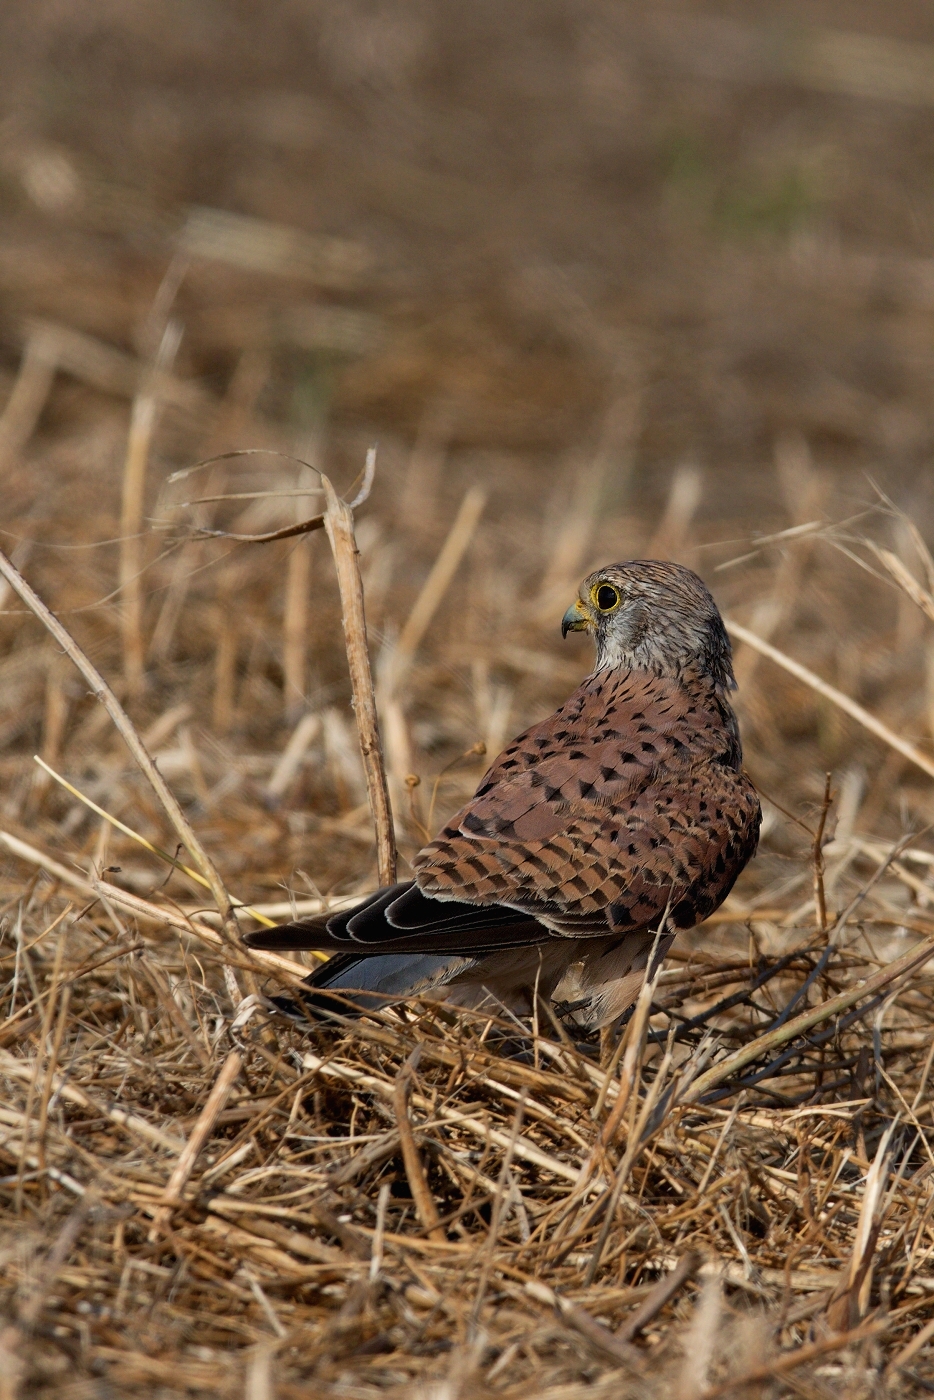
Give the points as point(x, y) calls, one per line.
point(651, 654)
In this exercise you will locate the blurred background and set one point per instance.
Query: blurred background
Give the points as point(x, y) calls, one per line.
point(602, 280)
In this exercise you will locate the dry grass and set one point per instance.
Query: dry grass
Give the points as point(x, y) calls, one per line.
point(732, 1193)
point(200, 1195)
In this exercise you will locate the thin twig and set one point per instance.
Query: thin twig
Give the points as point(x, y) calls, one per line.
point(295, 612)
point(64, 993)
point(339, 525)
point(497, 1214)
point(825, 1011)
point(817, 858)
point(196, 1140)
point(145, 909)
point(638, 1137)
point(424, 1202)
point(901, 1358)
point(50, 1001)
point(30, 391)
point(666, 1288)
point(829, 692)
point(792, 1359)
point(438, 581)
point(635, 1049)
point(141, 840)
point(128, 732)
point(130, 1122)
point(609, 1344)
point(142, 426)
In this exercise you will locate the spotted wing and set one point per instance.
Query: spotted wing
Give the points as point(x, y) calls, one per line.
point(624, 803)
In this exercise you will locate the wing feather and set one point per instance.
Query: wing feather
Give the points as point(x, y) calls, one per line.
point(628, 800)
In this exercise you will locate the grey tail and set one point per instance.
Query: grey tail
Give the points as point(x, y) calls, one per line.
point(349, 984)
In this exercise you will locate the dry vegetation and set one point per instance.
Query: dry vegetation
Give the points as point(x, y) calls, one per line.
point(739, 1183)
point(733, 1192)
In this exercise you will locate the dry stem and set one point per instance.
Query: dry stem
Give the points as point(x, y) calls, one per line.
point(142, 426)
point(338, 522)
point(131, 738)
point(825, 1011)
point(199, 1136)
point(829, 692)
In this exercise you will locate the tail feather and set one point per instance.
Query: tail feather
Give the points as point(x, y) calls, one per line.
point(401, 919)
point(314, 934)
point(389, 974)
point(370, 983)
point(398, 944)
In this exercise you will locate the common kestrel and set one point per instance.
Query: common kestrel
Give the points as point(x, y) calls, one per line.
point(620, 819)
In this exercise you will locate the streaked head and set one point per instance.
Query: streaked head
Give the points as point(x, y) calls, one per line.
point(652, 615)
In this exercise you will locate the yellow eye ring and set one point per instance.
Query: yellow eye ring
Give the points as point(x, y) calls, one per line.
point(605, 597)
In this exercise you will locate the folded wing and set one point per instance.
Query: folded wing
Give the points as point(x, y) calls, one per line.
point(626, 803)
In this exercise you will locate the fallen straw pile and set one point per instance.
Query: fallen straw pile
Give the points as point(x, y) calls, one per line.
point(201, 1196)
point(355, 1207)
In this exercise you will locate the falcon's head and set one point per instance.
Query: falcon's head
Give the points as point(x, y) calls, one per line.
point(651, 615)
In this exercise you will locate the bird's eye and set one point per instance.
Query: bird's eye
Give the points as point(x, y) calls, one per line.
point(606, 597)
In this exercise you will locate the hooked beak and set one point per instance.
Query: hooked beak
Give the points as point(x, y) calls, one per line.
point(576, 619)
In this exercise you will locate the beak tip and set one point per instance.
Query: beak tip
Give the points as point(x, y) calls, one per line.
point(574, 620)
